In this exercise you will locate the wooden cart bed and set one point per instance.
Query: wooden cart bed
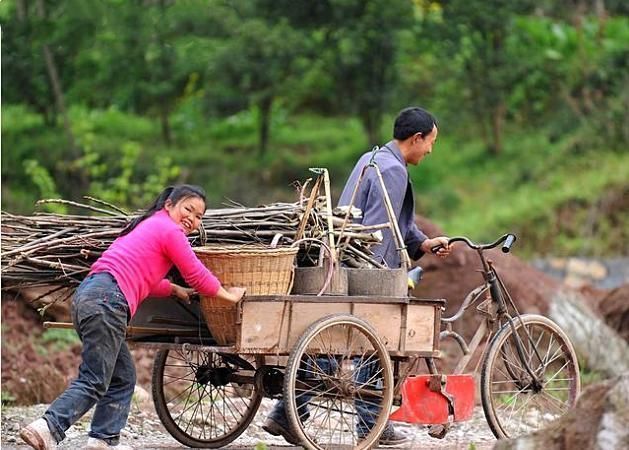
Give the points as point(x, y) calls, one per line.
point(271, 324)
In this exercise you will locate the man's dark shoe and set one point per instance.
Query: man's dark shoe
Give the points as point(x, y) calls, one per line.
point(391, 436)
point(274, 428)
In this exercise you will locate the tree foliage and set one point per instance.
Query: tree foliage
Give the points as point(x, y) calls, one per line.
point(120, 97)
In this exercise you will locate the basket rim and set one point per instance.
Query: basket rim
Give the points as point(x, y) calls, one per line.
point(243, 249)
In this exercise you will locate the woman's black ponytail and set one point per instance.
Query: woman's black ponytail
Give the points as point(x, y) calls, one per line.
point(172, 193)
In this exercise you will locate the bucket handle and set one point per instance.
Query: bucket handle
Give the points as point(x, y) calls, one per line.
point(331, 263)
point(393, 224)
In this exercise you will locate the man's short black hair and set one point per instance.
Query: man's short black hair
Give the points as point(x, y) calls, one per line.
point(413, 120)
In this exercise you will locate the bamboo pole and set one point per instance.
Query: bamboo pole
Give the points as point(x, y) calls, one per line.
point(133, 330)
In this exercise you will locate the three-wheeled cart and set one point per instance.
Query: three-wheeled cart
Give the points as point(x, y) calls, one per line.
point(337, 362)
point(341, 364)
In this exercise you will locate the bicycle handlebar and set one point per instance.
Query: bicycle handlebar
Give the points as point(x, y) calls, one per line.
point(508, 240)
point(508, 243)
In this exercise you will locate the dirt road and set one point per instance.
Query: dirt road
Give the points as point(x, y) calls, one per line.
point(144, 431)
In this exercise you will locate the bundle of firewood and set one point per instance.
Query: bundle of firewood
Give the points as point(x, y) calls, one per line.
point(57, 250)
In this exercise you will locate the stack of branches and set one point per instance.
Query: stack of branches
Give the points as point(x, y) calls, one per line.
point(57, 250)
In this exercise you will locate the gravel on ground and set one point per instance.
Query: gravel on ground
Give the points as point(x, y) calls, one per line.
point(145, 431)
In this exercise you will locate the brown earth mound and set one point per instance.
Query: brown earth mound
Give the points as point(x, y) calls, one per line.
point(452, 278)
point(615, 309)
point(599, 421)
point(37, 367)
point(33, 371)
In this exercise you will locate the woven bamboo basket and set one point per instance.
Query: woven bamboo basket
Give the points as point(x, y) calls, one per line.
point(262, 270)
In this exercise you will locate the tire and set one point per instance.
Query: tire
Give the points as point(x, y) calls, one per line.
point(196, 403)
point(512, 404)
point(326, 363)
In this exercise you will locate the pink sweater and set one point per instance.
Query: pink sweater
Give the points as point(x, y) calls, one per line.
point(140, 260)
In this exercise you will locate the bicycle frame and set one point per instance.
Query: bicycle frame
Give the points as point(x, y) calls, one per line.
point(495, 308)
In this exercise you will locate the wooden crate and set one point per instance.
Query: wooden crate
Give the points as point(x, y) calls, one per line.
point(273, 324)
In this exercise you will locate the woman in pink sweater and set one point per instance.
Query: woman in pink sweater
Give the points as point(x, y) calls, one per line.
point(133, 268)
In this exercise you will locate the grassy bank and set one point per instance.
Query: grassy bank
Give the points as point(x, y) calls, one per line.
point(558, 197)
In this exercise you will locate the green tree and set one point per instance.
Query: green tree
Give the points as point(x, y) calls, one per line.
point(354, 54)
point(473, 36)
point(362, 47)
point(45, 184)
point(573, 76)
point(42, 39)
point(258, 58)
point(22, 60)
point(139, 59)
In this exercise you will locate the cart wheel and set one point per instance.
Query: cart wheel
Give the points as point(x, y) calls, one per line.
point(195, 399)
point(513, 405)
point(338, 368)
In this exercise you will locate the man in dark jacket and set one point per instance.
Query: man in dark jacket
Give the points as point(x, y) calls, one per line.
point(414, 134)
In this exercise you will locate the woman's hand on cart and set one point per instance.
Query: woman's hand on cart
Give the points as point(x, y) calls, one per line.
point(234, 294)
point(182, 293)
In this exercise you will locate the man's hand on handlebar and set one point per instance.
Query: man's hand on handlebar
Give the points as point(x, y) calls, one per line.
point(437, 245)
point(182, 293)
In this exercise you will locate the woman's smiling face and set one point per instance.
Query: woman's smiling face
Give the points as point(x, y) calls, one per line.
point(187, 212)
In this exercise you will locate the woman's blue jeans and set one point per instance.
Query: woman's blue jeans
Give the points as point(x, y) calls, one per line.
point(106, 378)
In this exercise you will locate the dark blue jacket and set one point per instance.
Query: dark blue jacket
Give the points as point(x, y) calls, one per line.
point(369, 199)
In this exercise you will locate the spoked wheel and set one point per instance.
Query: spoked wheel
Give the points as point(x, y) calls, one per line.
point(205, 399)
point(514, 402)
point(338, 387)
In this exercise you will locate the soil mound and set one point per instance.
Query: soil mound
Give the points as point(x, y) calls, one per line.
point(599, 421)
point(38, 364)
point(452, 278)
point(34, 370)
point(615, 309)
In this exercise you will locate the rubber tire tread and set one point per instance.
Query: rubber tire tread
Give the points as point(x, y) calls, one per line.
point(164, 415)
point(493, 347)
point(294, 362)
